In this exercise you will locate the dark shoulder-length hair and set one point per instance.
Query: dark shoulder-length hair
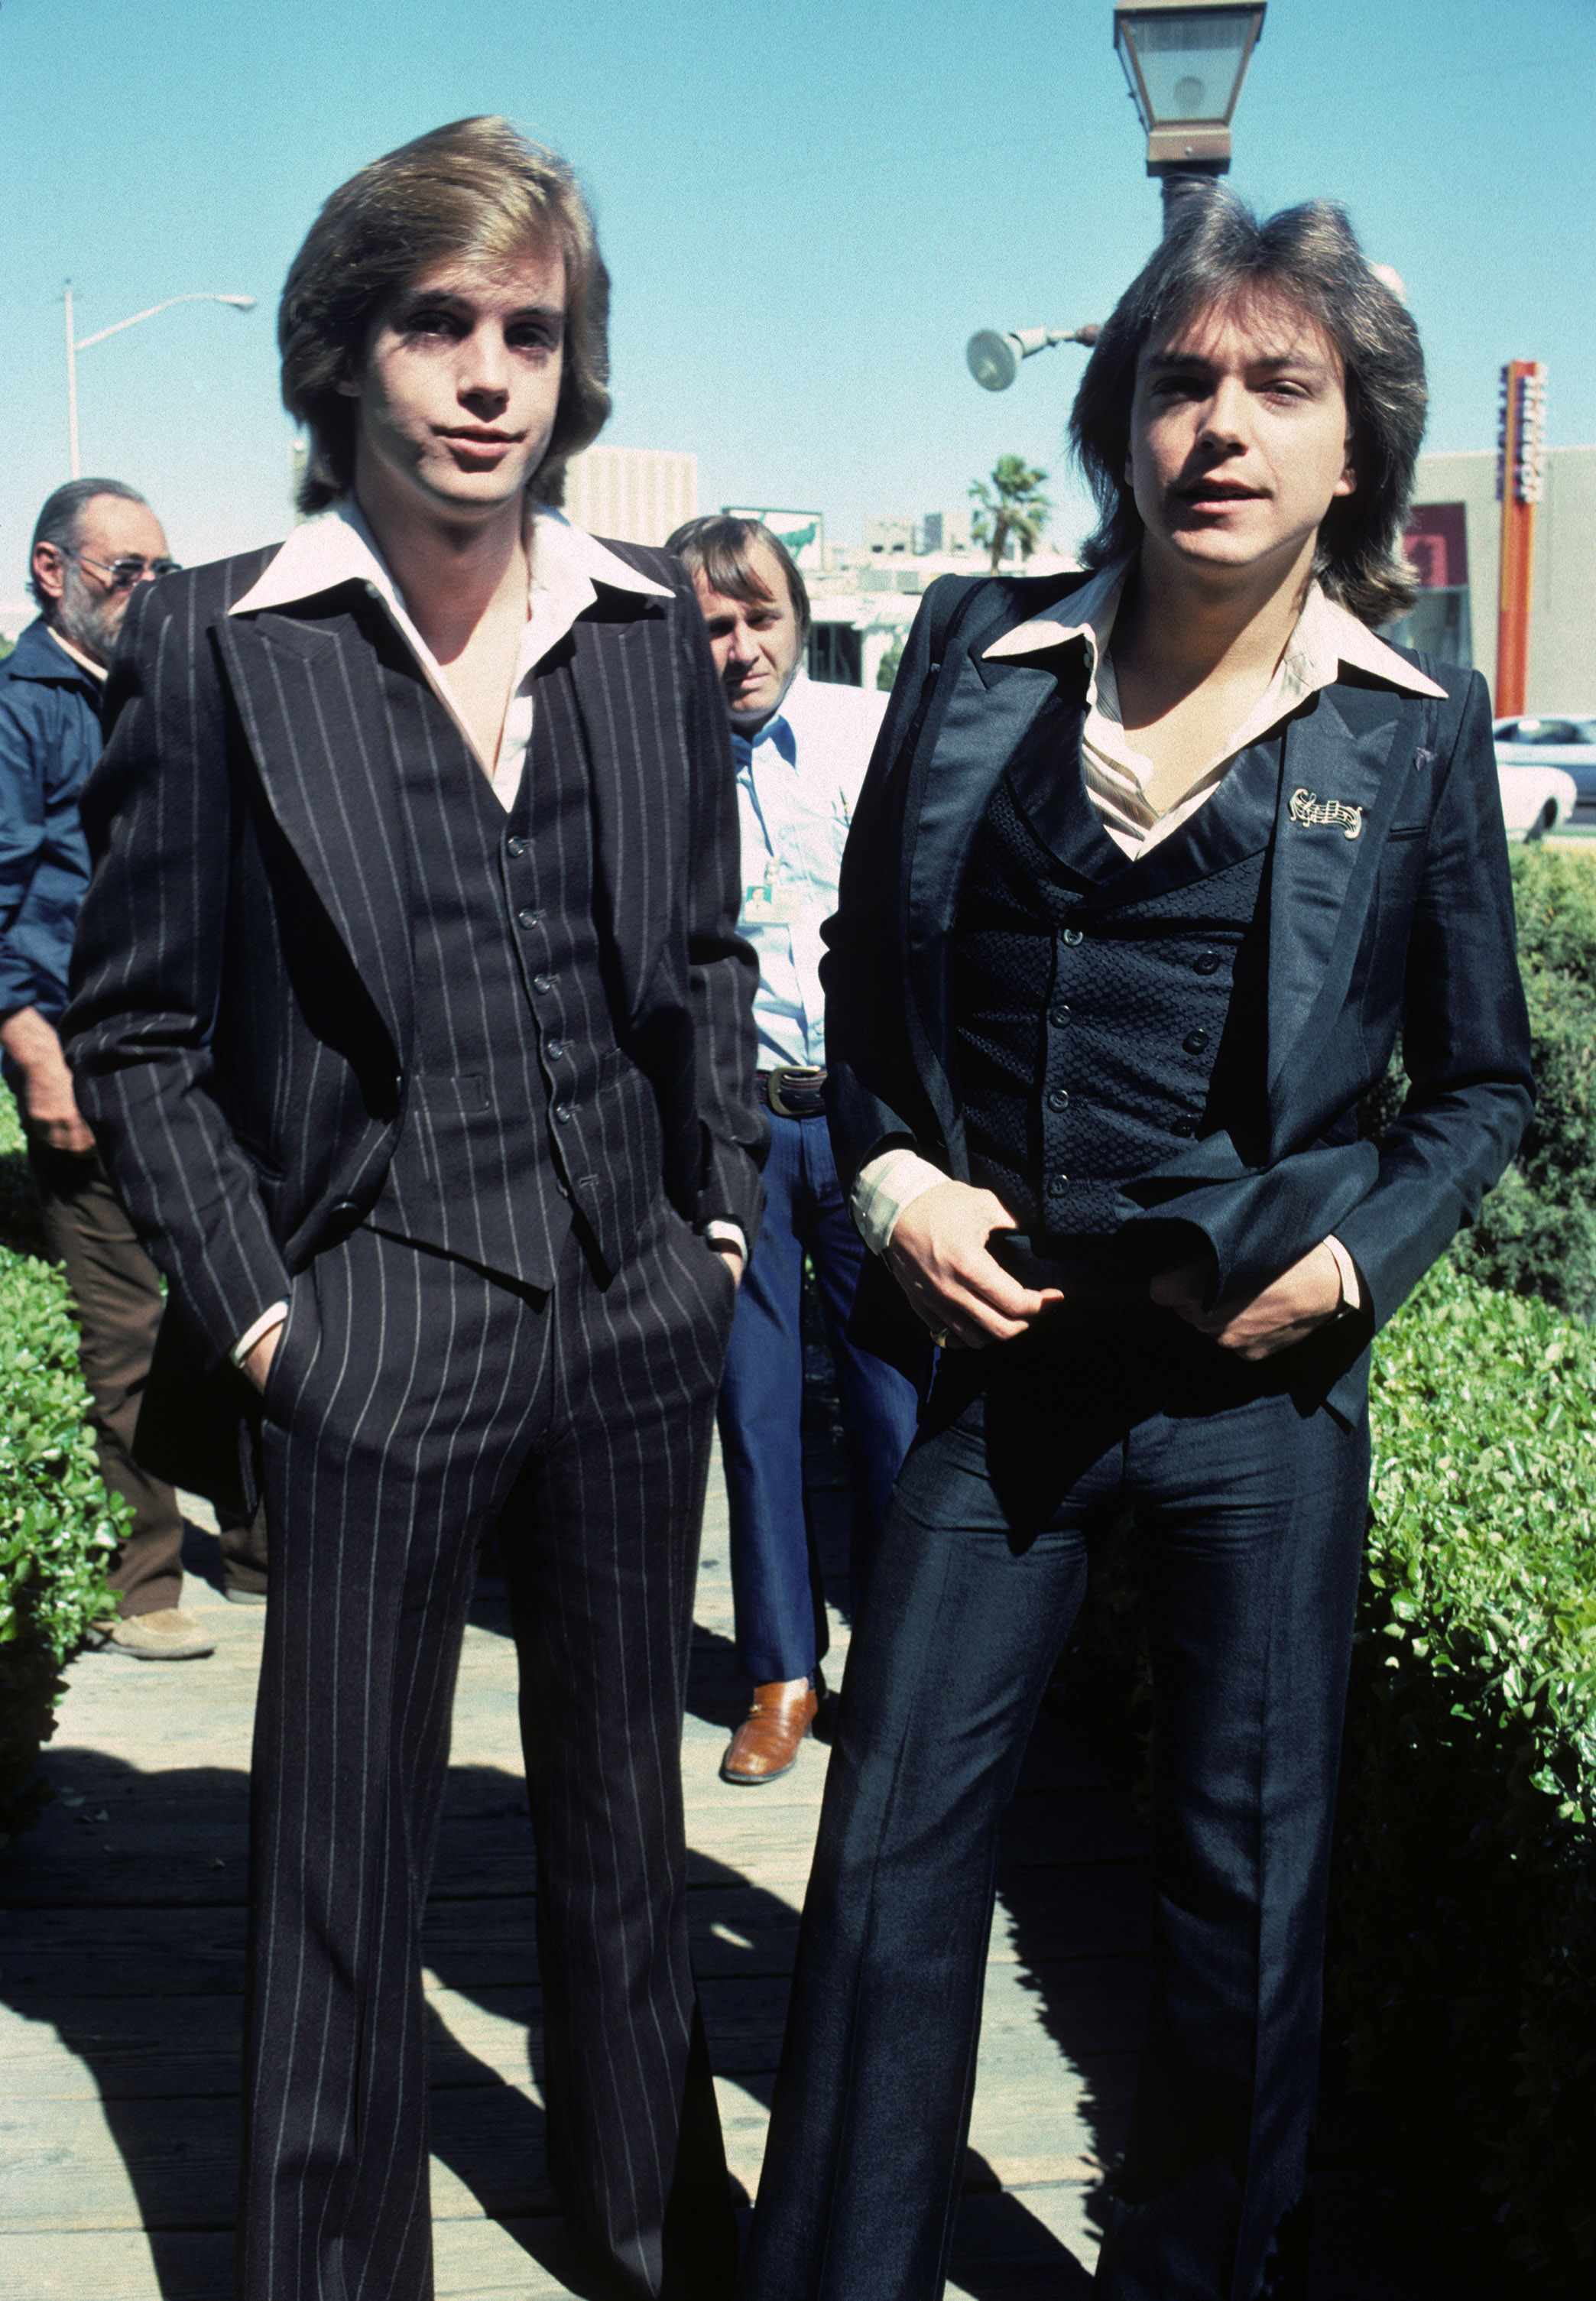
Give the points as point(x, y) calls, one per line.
point(1218, 252)
point(476, 188)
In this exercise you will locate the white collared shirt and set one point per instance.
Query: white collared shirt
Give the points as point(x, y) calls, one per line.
point(798, 784)
point(567, 566)
point(1138, 806)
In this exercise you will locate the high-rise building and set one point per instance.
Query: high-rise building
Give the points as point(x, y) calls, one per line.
point(637, 495)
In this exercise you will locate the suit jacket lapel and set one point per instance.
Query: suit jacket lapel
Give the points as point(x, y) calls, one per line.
point(315, 716)
point(1350, 750)
point(988, 713)
point(627, 692)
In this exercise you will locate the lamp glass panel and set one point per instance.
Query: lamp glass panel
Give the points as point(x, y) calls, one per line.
point(1190, 64)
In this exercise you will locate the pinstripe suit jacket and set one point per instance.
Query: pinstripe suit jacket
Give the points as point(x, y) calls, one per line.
point(241, 1018)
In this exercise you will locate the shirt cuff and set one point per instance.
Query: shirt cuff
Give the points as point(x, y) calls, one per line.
point(722, 1232)
point(1351, 1284)
point(266, 1324)
point(885, 1185)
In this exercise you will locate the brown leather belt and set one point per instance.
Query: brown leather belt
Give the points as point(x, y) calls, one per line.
point(794, 1091)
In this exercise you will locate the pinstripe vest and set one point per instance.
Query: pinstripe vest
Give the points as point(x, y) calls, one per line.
point(521, 1105)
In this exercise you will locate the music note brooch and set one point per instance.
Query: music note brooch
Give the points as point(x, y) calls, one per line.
point(1307, 806)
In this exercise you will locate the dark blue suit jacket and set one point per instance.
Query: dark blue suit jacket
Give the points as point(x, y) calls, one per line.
point(1408, 929)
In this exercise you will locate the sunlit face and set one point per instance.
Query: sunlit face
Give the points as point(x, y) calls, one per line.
point(87, 601)
point(1238, 436)
point(461, 384)
point(756, 642)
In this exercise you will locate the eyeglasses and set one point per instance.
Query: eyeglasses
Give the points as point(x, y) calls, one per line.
point(121, 574)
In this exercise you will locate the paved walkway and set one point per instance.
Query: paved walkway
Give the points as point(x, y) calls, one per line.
point(121, 1969)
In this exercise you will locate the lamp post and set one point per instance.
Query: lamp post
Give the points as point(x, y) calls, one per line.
point(76, 344)
point(1185, 61)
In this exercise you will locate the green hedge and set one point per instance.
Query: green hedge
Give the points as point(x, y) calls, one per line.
point(58, 1526)
point(1537, 1231)
point(1463, 1968)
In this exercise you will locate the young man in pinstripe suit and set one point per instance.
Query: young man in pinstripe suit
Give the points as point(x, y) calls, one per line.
point(410, 1012)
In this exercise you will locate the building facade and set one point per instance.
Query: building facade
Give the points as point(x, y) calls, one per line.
point(635, 494)
point(1454, 541)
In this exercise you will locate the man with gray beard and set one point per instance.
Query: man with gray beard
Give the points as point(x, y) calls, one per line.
point(95, 540)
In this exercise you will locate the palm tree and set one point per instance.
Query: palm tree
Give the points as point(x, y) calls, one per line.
point(1012, 509)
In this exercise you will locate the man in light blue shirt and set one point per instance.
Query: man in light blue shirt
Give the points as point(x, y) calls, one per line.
point(801, 748)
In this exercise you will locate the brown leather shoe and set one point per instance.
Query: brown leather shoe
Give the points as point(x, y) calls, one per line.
point(767, 1744)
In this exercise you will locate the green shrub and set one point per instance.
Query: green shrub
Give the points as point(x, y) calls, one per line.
point(1463, 1975)
point(1536, 1234)
point(58, 1526)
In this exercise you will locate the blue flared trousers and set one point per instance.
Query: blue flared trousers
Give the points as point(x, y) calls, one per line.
point(775, 1579)
point(1248, 1510)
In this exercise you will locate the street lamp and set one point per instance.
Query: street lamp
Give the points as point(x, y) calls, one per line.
point(1185, 61)
point(76, 344)
point(994, 359)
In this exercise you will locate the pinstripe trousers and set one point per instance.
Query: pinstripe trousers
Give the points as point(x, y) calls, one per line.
point(413, 1402)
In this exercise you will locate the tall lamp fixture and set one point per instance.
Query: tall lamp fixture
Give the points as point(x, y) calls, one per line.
point(76, 344)
point(1185, 61)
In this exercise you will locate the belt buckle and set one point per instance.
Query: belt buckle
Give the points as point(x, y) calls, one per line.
point(807, 1075)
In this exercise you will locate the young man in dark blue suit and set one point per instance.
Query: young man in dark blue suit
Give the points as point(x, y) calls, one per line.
point(1153, 867)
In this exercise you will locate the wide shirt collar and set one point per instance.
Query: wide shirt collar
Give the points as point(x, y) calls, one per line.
point(568, 565)
point(1137, 803)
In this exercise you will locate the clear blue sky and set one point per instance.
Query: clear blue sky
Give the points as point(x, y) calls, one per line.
point(807, 210)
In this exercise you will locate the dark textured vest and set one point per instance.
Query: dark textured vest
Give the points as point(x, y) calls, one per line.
point(1105, 1009)
point(521, 1105)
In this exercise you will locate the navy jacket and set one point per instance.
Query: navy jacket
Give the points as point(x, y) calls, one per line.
point(1406, 928)
point(49, 739)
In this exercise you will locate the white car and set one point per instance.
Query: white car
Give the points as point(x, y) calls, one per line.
point(1545, 767)
point(1565, 740)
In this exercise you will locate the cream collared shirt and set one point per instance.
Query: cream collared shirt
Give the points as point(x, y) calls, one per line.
point(567, 567)
point(1138, 804)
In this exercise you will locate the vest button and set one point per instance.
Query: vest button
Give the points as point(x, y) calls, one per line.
point(529, 919)
point(344, 1210)
point(563, 1114)
point(1206, 962)
point(1056, 1185)
point(555, 1050)
point(542, 983)
point(1183, 1127)
point(1073, 935)
point(516, 847)
point(1058, 1015)
point(1057, 1096)
point(1195, 1042)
